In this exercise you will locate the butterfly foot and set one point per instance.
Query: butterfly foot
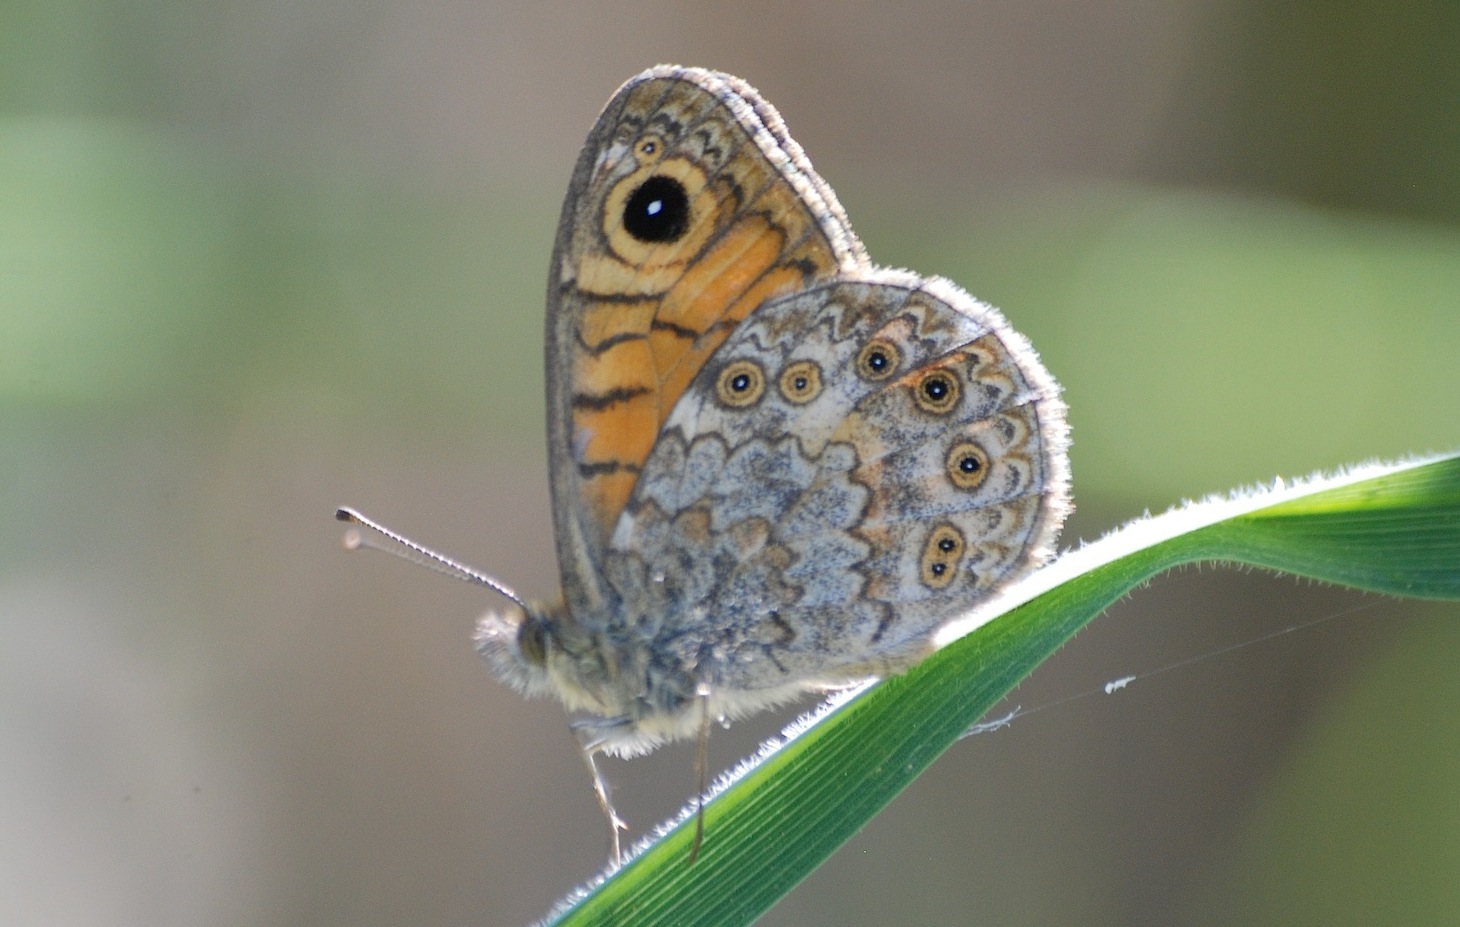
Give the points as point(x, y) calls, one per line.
point(592, 736)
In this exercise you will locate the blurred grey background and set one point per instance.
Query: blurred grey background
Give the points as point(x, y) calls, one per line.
point(258, 260)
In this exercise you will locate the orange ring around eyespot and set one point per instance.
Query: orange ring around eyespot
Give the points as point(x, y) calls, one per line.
point(938, 378)
point(967, 465)
point(740, 384)
point(800, 382)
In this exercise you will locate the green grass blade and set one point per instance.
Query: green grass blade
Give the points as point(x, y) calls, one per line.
point(1392, 528)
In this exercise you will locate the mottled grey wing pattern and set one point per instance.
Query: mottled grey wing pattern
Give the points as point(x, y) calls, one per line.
point(855, 466)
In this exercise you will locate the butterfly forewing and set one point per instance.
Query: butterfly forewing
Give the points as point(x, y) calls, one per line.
point(690, 207)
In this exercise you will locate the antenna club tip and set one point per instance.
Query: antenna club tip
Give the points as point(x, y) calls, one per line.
point(415, 553)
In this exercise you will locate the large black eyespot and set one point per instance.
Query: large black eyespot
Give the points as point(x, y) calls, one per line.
point(658, 211)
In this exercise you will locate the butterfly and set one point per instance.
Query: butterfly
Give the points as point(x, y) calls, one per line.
point(775, 467)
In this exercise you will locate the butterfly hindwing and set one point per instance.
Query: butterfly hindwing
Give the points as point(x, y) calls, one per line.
point(855, 465)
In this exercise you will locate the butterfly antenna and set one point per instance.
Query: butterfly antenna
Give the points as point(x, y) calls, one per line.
point(418, 554)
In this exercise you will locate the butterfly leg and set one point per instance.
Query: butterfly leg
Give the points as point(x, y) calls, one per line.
point(592, 736)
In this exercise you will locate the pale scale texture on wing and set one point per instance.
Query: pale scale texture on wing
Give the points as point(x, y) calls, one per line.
point(783, 540)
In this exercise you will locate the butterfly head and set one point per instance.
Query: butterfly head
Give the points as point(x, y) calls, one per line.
point(519, 645)
point(638, 699)
point(537, 649)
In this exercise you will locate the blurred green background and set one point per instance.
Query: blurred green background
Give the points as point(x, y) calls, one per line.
point(258, 260)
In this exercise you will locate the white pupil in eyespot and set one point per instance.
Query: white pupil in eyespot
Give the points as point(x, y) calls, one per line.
point(656, 207)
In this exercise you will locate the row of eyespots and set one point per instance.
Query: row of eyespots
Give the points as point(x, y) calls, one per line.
point(967, 466)
point(741, 383)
